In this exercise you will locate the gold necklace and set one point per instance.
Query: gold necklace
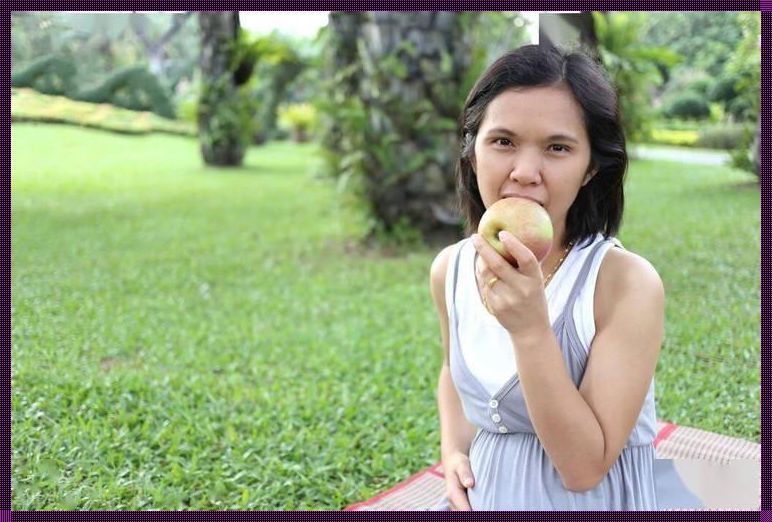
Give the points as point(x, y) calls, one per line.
point(560, 262)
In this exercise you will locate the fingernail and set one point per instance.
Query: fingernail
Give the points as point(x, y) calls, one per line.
point(501, 235)
point(467, 482)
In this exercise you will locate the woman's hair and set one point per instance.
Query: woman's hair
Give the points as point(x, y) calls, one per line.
point(599, 204)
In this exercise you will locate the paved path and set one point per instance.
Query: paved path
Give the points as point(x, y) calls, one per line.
point(682, 154)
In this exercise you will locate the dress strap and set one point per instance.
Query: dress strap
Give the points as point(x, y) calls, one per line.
point(457, 255)
point(585, 270)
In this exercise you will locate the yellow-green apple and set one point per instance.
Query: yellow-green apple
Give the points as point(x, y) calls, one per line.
point(523, 218)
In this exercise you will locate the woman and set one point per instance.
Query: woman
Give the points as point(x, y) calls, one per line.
point(546, 394)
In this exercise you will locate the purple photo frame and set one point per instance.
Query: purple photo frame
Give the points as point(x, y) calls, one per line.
point(383, 5)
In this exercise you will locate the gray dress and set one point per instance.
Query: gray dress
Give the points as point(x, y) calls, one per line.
point(512, 471)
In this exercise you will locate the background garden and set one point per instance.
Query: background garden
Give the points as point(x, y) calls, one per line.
point(221, 243)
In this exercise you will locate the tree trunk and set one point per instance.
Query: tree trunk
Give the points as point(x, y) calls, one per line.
point(220, 125)
point(410, 85)
point(569, 30)
point(342, 72)
point(346, 29)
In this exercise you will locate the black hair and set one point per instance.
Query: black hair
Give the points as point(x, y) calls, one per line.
point(599, 204)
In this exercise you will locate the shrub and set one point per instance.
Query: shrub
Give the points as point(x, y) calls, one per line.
point(678, 124)
point(300, 118)
point(132, 88)
point(187, 100)
point(746, 155)
point(187, 110)
point(30, 105)
point(728, 137)
point(701, 86)
point(689, 105)
point(717, 112)
point(724, 90)
point(742, 109)
point(683, 138)
point(50, 74)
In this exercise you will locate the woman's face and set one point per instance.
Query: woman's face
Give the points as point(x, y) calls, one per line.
point(533, 143)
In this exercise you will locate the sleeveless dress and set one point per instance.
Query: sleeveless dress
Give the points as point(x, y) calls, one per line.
point(512, 470)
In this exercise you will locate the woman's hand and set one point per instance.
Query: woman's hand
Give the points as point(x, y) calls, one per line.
point(517, 297)
point(458, 477)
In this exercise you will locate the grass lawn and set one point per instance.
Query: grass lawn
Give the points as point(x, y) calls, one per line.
point(209, 338)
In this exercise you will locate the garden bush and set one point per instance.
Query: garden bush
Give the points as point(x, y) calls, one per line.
point(132, 88)
point(689, 104)
point(746, 155)
point(678, 124)
point(742, 109)
point(30, 105)
point(51, 74)
point(724, 90)
point(299, 118)
point(701, 86)
point(682, 138)
point(727, 137)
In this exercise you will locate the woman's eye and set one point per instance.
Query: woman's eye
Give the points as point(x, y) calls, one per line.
point(503, 141)
point(559, 148)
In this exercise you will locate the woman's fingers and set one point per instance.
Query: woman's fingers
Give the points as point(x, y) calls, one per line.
point(493, 262)
point(458, 499)
point(484, 273)
point(526, 262)
point(462, 479)
point(464, 475)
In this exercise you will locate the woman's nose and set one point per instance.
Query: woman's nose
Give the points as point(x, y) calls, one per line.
point(526, 169)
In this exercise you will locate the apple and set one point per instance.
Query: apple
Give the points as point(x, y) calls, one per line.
point(524, 219)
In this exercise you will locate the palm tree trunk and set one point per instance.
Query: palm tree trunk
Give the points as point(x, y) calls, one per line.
point(221, 132)
point(411, 68)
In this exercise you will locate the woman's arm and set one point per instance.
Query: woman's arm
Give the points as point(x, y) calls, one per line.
point(584, 430)
point(456, 432)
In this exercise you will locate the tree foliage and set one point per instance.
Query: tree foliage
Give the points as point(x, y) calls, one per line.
point(745, 66)
point(706, 40)
point(633, 66)
point(165, 43)
point(278, 65)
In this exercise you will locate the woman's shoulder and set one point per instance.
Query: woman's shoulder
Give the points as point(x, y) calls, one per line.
point(440, 263)
point(439, 268)
point(623, 266)
point(623, 274)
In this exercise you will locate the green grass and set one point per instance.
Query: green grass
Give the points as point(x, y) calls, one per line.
point(700, 227)
point(201, 338)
